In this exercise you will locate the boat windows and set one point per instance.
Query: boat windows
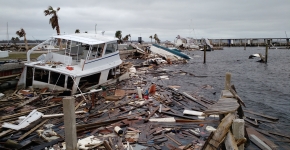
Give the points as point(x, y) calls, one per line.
point(89, 80)
point(41, 75)
point(29, 76)
point(57, 79)
point(97, 51)
point(70, 83)
point(111, 48)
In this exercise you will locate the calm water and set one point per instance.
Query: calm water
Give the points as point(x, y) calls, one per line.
point(265, 88)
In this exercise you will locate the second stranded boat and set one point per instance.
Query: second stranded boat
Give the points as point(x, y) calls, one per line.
point(87, 58)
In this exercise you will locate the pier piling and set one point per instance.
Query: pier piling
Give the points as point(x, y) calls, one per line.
point(204, 54)
point(245, 44)
point(70, 123)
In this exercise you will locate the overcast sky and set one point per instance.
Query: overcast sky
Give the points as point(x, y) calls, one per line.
point(167, 18)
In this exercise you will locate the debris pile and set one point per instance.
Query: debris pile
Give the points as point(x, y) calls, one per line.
point(138, 113)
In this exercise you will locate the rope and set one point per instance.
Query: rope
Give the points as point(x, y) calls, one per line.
point(78, 88)
point(56, 82)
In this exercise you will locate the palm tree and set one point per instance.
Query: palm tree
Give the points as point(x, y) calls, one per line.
point(126, 38)
point(53, 20)
point(22, 33)
point(151, 38)
point(130, 37)
point(118, 35)
point(77, 31)
point(158, 40)
point(155, 37)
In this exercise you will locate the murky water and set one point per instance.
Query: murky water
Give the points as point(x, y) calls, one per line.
point(265, 88)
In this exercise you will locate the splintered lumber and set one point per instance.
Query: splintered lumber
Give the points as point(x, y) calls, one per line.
point(33, 129)
point(3, 133)
point(262, 115)
point(152, 113)
point(230, 142)
point(79, 104)
point(279, 134)
point(218, 136)
point(4, 118)
point(226, 94)
point(223, 106)
point(194, 99)
point(236, 95)
point(252, 131)
point(28, 101)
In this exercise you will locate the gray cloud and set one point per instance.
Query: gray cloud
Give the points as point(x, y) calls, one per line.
point(210, 18)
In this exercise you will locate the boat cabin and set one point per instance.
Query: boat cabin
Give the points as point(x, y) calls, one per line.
point(85, 60)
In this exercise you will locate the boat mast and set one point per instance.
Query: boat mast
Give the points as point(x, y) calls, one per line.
point(7, 35)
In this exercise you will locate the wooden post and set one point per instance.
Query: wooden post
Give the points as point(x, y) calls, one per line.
point(266, 55)
point(227, 80)
point(204, 54)
point(245, 44)
point(70, 123)
point(238, 128)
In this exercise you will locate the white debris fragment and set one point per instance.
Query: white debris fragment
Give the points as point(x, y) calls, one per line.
point(33, 116)
point(91, 140)
point(192, 112)
point(169, 119)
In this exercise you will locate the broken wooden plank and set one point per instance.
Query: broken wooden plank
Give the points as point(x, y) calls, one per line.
point(236, 95)
point(223, 106)
point(152, 113)
point(230, 142)
point(33, 129)
point(220, 133)
point(262, 115)
point(279, 134)
point(261, 137)
point(259, 142)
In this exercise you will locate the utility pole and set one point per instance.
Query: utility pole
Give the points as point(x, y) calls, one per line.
point(95, 29)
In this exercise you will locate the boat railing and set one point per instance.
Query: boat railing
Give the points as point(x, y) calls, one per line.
point(36, 47)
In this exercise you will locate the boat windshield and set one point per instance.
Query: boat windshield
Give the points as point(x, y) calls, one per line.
point(111, 48)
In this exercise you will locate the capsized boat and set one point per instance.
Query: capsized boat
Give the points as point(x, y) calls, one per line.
point(87, 59)
point(165, 52)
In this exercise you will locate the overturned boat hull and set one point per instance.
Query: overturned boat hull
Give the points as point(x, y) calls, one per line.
point(166, 51)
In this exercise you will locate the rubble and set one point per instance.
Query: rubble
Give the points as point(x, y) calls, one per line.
point(139, 112)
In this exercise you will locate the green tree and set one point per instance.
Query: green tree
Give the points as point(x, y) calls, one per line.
point(118, 35)
point(22, 33)
point(77, 31)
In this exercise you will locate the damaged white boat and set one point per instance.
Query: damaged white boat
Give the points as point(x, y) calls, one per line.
point(87, 58)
